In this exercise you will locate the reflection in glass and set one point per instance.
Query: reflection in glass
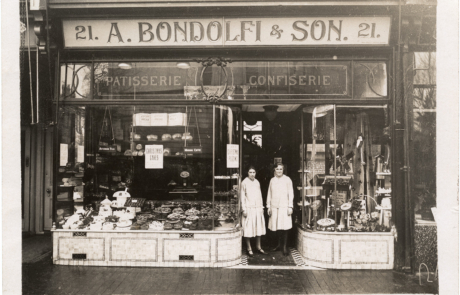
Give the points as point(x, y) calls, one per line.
point(75, 81)
point(370, 79)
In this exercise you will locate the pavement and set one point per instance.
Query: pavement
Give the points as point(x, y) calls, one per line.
point(257, 275)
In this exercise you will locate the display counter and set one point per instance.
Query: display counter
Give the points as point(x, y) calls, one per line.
point(346, 250)
point(145, 248)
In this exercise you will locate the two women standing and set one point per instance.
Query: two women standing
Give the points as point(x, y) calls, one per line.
point(280, 201)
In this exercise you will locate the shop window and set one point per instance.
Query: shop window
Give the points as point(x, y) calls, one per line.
point(161, 157)
point(346, 170)
point(423, 153)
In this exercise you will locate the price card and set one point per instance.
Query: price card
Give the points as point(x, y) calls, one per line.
point(154, 156)
point(63, 154)
point(80, 153)
point(232, 156)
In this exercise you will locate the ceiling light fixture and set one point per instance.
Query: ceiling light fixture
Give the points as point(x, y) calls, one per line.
point(271, 112)
point(183, 65)
point(125, 66)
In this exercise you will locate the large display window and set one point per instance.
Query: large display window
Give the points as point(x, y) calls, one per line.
point(148, 167)
point(345, 169)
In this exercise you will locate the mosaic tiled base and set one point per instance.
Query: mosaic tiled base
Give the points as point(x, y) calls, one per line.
point(147, 248)
point(426, 248)
point(346, 250)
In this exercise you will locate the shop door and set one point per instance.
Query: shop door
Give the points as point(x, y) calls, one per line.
point(271, 135)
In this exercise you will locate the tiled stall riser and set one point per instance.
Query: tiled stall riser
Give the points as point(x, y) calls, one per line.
point(146, 248)
point(346, 250)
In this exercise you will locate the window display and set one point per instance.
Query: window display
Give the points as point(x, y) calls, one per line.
point(345, 169)
point(148, 168)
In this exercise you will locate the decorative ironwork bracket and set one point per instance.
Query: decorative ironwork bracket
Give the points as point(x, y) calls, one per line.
point(209, 62)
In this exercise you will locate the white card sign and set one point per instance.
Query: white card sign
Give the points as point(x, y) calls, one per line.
point(232, 156)
point(63, 154)
point(81, 154)
point(154, 156)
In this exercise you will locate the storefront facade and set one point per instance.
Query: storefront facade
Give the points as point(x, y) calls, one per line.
point(159, 110)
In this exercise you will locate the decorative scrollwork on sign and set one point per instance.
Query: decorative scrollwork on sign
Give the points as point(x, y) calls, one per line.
point(209, 62)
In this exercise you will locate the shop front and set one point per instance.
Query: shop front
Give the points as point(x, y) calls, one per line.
point(157, 127)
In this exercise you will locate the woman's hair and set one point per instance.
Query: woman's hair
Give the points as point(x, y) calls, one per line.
point(279, 164)
point(251, 167)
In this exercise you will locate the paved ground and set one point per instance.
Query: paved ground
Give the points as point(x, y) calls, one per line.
point(34, 247)
point(42, 277)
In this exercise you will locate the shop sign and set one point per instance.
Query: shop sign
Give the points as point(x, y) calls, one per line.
point(294, 78)
point(232, 156)
point(227, 32)
point(193, 150)
point(154, 156)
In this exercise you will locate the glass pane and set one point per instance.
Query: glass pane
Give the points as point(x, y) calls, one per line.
point(72, 162)
point(424, 152)
point(183, 80)
point(75, 81)
point(348, 171)
point(162, 156)
point(364, 164)
point(425, 68)
point(265, 80)
point(370, 80)
point(227, 169)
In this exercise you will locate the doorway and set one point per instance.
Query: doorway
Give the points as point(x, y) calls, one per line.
point(271, 135)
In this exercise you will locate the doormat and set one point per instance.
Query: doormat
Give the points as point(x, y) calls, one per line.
point(272, 259)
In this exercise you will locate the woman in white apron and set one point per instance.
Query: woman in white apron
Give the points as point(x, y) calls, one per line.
point(280, 200)
point(253, 211)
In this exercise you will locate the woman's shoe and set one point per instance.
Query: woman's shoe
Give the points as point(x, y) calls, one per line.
point(261, 251)
point(250, 253)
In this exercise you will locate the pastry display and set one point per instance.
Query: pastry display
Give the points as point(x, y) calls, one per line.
point(166, 151)
point(152, 137)
point(178, 225)
point(156, 225)
point(166, 136)
point(177, 136)
point(178, 210)
point(192, 211)
point(192, 217)
point(187, 136)
point(325, 222)
point(165, 210)
point(174, 216)
point(138, 146)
